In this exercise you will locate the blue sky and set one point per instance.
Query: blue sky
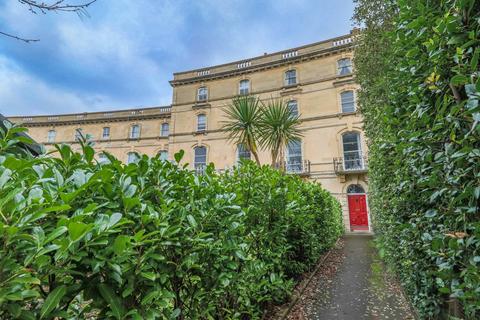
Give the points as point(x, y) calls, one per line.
point(125, 53)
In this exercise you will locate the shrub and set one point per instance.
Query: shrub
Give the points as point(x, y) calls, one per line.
point(151, 240)
point(417, 62)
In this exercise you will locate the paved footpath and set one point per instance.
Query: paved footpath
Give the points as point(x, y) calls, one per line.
point(360, 289)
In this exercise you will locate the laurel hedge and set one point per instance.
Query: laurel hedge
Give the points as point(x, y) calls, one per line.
point(152, 240)
point(417, 62)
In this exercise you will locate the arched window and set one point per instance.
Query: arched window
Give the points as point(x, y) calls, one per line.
point(355, 188)
point(165, 130)
point(352, 153)
point(135, 131)
point(291, 77)
point(294, 156)
point(51, 136)
point(102, 158)
point(348, 101)
point(132, 157)
point(163, 155)
point(293, 107)
point(244, 87)
point(200, 160)
point(344, 66)
point(201, 122)
point(202, 94)
point(243, 153)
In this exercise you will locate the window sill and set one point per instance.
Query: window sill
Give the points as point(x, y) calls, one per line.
point(343, 79)
point(345, 114)
point(293, 88)
point(200, 132)
point(201, 105)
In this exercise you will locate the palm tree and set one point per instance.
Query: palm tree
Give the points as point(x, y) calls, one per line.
point(278, 127)
point(244, 115)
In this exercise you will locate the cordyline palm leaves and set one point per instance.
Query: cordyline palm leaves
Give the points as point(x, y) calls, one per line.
point(252, 123)
point(278, 127)
point(243, 125)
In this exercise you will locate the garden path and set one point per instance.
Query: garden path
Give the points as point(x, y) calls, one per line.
point(359, 288)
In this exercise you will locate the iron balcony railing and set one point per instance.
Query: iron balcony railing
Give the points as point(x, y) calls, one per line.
point(300, 168)
point(296, 167)
point(351, 164)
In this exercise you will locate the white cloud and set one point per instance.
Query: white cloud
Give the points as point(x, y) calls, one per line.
point(24, 94)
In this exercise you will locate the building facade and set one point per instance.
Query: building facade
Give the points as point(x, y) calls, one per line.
point(315, 80)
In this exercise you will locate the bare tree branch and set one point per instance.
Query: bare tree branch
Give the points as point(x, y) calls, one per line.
point(36, 6)
point(18, 38)
point(58, 5)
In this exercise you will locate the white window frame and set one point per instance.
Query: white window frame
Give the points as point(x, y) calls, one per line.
point(163, 155)
point(200, 166)
point(294, 166)
point(51, 136)
point(135, 134)
point(289, 80)
point(132, 157)
point(291, 103)
point(244, 90)
point(345, 69)
point(202, 94)
point(353, 159)
point(165, 132)
point(106, 133)
point(241, 153)
point(102, 158)
point(344, 102)
point(201, 127)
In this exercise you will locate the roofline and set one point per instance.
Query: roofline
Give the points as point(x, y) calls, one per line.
point(265, 55)
point(84, 113)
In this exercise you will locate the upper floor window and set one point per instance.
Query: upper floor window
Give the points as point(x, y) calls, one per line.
point(348, 101)
point(201, 122)
point(202, 94)
point(244, 87)
point(106, 133)
point(165, 130)
point(51, 136)
point(344, 66)
point(200, 160)
point(294, 156)
point(78, 134)
point(243, 152)
point(135, 131)
point(290, 77)
point(293, 107)
point(132, 157)
point(352, 153)
point(163, 155)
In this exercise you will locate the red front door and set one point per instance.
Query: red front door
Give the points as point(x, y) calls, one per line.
point(357, 206)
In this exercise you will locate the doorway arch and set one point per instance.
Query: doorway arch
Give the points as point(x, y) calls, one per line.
point(357, 208)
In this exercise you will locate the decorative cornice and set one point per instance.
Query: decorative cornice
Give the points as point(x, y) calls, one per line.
point(264, 66)
point(66, 122)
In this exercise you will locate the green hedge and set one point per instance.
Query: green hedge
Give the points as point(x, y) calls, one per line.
point(152, 240)
point(417, 62)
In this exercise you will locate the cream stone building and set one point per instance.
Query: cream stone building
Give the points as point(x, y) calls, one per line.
point(317, 82)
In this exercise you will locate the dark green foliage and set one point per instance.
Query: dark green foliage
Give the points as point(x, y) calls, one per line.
point(417, 64)
point(151, 240)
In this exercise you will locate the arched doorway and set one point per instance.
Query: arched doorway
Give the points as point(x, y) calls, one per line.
point(357, 208)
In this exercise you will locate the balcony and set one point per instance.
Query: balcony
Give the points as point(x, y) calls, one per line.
point(302, 168)
point(351, 165)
